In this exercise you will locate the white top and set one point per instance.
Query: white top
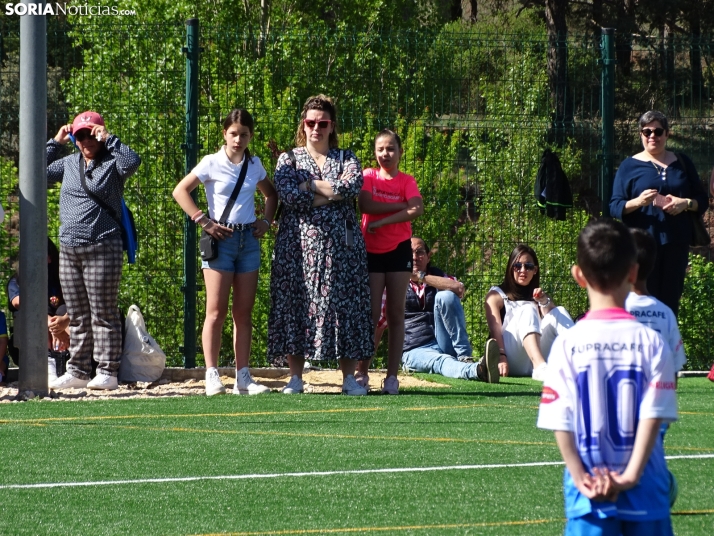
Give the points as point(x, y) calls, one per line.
point(219, 175)
point(511, 307)
point(608, 366)
point(654, 314)
point(604, 375)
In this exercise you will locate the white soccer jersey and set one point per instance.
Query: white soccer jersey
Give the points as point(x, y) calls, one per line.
point(654, 314)
point(605, 374)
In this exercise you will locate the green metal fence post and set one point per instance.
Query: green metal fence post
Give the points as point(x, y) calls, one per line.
point(607, 110)
point(191, 146)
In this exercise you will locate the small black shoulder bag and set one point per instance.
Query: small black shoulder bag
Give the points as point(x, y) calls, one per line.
point(207, 245)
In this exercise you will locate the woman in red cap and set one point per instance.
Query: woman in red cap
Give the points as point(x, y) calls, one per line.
point(91, 255)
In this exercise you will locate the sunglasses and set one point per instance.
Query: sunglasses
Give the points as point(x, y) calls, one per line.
point(648, 132)
point(529, 266)
point(82, 135)
point(309, 123)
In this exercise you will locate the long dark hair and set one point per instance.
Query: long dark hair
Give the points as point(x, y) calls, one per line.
point(513, 290)
point(242, 117)
point(53, 278)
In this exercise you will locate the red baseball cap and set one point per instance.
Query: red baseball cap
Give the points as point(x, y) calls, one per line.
point(86, 120)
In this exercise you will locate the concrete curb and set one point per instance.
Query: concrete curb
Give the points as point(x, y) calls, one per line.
point(177, 374)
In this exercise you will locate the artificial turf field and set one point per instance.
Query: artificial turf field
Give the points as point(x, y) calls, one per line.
point(314, 464)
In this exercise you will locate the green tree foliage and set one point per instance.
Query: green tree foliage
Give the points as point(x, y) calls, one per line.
point(472, 101)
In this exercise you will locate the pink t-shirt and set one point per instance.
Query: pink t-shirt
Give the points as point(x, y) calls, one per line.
point(395, 190)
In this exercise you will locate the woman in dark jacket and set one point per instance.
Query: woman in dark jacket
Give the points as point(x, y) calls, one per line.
point(654, 190)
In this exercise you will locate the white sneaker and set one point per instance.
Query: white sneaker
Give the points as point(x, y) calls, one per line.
point(294, 386)
point(351, 387)
point(362, 380)
point(246, 385)
point(214, 385)
point(539, 372)
point(51, 370)
point(67, 381)
point(103, 381)
point(391, 386)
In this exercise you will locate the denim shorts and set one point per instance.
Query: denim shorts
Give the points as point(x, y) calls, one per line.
point(238, 254)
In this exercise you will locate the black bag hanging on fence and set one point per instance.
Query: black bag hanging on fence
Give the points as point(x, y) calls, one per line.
point(700, 235)
point(207, 245)
point(552, 189)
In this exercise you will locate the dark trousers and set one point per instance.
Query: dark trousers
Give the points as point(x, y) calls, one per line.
point(666, 282)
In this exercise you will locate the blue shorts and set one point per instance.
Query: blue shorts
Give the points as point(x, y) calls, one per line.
point(591, 525)
point(238, 254)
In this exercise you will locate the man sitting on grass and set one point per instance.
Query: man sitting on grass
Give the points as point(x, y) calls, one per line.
point(435, 337)
point(608, 387)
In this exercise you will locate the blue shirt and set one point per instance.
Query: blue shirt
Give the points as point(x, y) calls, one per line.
point(634, 177)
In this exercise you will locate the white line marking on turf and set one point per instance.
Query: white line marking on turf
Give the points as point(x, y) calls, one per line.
point(312, 473)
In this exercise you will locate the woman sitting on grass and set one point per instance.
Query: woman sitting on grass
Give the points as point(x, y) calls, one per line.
point(522, 318)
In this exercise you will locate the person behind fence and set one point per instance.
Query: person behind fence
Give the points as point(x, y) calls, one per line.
point(319, 287)
point(389, 201)
point(4, 359)
point(238, 250)
point(655, 190)
point(435, 337)
point(57, 316)
point(609, 386)
point(522, 318)
point(91, 256)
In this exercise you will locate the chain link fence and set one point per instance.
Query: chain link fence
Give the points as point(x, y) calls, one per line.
point(475, 112)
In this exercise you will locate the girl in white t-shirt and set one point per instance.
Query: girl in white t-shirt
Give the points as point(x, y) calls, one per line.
point(389, 201)
point(238, 259)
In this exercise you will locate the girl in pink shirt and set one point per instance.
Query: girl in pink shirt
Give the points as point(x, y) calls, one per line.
point(389, 200)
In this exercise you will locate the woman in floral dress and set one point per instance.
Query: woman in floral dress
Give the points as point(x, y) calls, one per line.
point(319, 288)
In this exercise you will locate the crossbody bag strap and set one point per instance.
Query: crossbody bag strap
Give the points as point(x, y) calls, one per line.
point(238, 186)
point(94, 196)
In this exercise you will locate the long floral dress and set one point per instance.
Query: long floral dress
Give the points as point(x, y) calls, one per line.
point(319, 286)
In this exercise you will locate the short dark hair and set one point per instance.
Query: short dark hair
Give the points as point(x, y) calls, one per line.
point(646, 252)
point(426, 247)
point(653, 115)
point(606, 252)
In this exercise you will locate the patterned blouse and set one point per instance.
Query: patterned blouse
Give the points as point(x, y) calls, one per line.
point(82, 220)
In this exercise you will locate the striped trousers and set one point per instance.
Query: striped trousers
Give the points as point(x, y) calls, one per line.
point(90, 277)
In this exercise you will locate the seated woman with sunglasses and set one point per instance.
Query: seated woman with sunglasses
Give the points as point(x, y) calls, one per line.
point(653, 191)
point(522, 318)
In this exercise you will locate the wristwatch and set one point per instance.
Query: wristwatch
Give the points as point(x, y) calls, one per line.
point(689, 204)
point(421, 275)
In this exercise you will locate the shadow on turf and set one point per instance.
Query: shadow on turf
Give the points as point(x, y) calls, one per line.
point(416, 391)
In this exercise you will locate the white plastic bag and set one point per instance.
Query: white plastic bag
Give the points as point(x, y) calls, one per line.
point(142, 359)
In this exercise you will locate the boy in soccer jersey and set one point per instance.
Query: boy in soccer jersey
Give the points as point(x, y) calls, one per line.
point(609, 386)
point(647, 309)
